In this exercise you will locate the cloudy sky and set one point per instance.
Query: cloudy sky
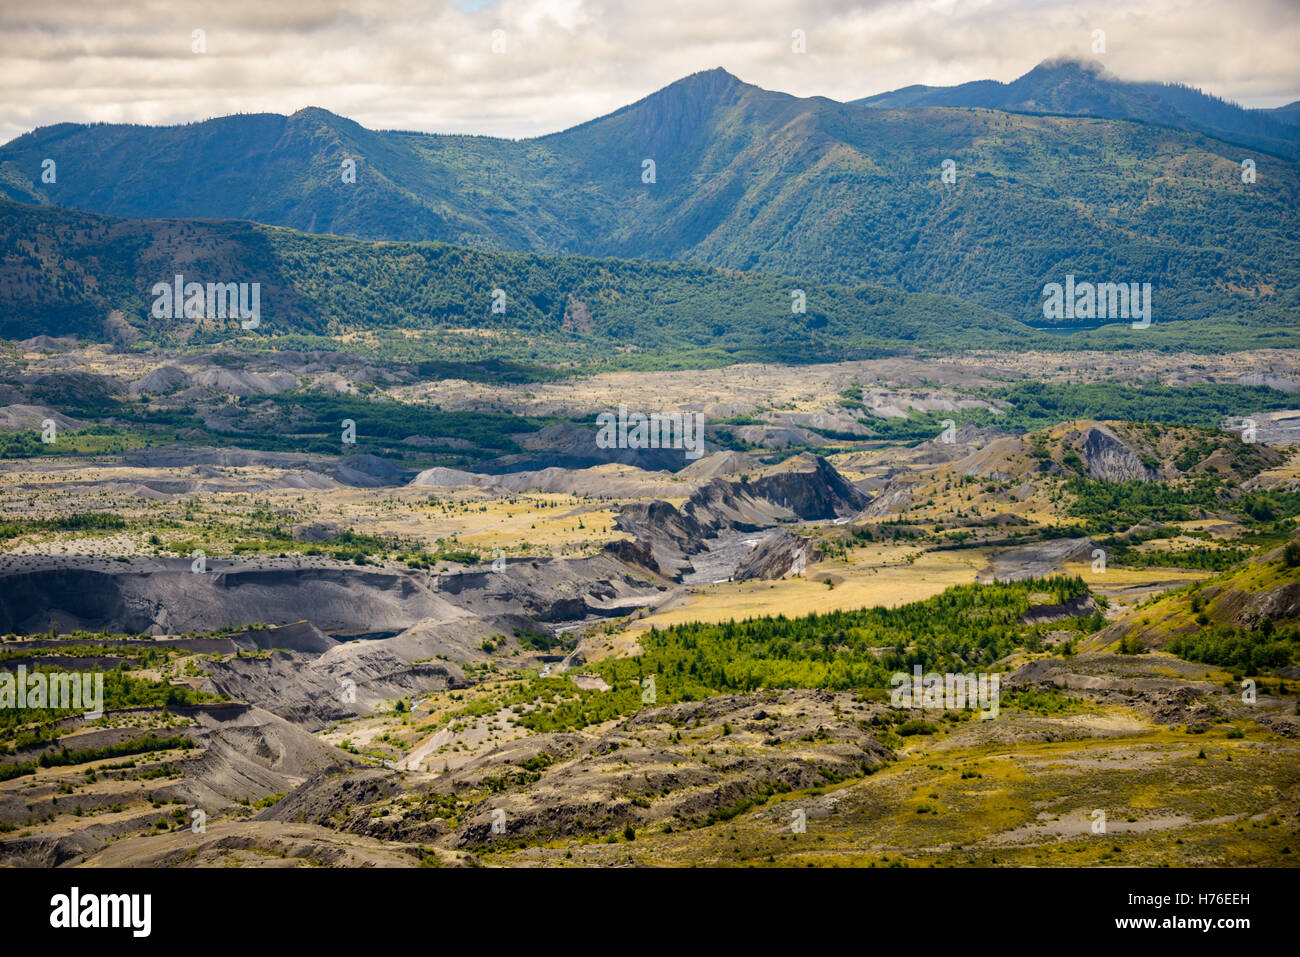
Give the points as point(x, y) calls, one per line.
point(430, 65)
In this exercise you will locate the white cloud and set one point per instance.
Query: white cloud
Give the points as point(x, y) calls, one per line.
point(430, 66)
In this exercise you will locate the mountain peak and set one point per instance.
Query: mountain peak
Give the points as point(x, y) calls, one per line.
point(1071, 85)
point(1069, 64)
point(677, 111)
point(716, 74)
point(315, 113)
point(708, 84)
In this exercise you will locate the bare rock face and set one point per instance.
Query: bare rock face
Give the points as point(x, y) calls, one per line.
point(247, 746)
point(778, 555)
point(118, 330)
point(1281, 603)
point(20, 418)
point(1076, 607)
point(636, 554)
point(1108, 459)
point(312, 691)
point(298, 636)
point(778, 436)
point(301, 470)
point(1248, 609)
point(809, 487)
point(169, 379)
point(163, 595)
point(1034, 559)
point(726, 464)
point(138, 596)
point(334, 790)
point(163, 380)
point(895, 498)
point(804, 487)
point(370, 471)
point(44, 343)
point(669, 534)
point(234, 752)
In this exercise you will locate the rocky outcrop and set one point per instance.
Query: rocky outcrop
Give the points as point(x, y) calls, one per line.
point(1076, 607)
point(299, 636)
point(169, 379)
point(669, 534)
point(1108, 459)
point(313, 691)
point(634, 553)
point(806, 485)
point(1247, 609)
point(163, 596)
point(780, 554)
point(1034, 560)
point(333, 792)
point(803, 488)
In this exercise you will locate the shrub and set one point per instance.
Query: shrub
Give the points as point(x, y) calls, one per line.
point(917, 726)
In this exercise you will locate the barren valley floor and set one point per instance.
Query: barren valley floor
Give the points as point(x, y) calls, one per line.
point(474, 636)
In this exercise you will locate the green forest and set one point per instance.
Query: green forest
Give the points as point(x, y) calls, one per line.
point(964, 629)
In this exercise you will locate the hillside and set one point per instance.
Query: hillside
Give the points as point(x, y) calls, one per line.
point(62, 272)
point(746, 178)
point(1245, 619)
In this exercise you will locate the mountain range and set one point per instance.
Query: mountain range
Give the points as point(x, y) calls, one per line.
point(1065, 171)
point(1080, 88)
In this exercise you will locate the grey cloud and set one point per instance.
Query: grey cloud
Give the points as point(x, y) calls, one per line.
point(429, 65)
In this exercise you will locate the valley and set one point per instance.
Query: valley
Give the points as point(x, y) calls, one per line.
point(475, 616)
point(736, 478)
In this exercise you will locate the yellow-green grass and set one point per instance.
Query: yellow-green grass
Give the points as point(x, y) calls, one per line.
point(1027, 803)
